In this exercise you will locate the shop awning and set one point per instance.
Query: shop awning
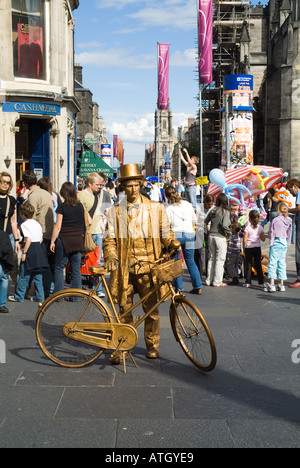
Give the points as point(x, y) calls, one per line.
point(91, 162)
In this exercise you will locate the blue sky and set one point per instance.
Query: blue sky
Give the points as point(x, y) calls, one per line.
point(116, 43)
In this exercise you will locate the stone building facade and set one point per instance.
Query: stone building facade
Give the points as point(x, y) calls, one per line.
point(89, 122)
point(280, 92)
point(37, 103)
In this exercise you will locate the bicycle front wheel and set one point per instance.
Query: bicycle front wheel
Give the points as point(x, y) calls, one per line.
point(193, 334)
point(67, 307)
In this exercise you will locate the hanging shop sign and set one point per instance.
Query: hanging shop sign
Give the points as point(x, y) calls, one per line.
point(91, 162)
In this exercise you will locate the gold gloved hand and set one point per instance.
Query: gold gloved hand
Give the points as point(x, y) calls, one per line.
point(174, 247)
point(112, 264)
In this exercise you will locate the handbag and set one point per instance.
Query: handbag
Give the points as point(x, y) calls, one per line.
point(89, 244)
point(88, 260)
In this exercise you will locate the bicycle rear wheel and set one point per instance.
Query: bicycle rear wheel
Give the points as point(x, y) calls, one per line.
point(193, 334)
point(65, 307)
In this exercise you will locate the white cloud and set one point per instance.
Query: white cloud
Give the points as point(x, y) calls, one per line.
point(181, 15)
point(119, 57)
point(176, 13)
point(89, 45)
point(141, 130)
point(137, 133)
point(187, 58)
point(116, 57)
point(117, 4)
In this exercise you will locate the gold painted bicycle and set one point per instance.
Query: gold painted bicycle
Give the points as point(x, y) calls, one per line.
point(74, 327)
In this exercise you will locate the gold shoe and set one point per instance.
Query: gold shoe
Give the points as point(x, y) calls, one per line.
point(152, 354)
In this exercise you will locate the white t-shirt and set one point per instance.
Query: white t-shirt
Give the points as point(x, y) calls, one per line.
point(33, 230)
point(155, 193)
point(181, 216)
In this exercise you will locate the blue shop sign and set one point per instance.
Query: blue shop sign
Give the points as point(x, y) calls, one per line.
point(31, 108)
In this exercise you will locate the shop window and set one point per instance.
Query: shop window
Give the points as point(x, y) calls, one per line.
point(28, 33)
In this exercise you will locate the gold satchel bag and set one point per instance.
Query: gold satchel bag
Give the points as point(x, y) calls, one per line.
point(89, 244)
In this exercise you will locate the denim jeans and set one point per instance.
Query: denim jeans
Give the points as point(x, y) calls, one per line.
point(187, 244)
point(298, 246)
point(191, 195)
point(61, 260)
point(48, 279)
point(98, 239)
point(4, 278)
point(23, 282)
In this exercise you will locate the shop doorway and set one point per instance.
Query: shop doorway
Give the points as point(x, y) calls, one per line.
point(33, 147)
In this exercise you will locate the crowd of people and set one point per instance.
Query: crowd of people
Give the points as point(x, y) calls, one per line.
point(42, 231)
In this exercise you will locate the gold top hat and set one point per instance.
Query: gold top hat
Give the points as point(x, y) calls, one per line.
point(129, 172)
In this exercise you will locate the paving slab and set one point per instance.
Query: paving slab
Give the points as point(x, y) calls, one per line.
point(251, 399)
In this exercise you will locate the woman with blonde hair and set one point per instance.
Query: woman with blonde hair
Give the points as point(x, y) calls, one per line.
point(280, 235)
point(183, 219)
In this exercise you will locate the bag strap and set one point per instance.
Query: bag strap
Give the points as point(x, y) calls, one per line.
point(6, 214)
point(93, 209)
point(86, 219)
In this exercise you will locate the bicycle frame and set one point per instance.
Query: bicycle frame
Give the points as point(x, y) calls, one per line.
point(139, 320)
point(114, 335)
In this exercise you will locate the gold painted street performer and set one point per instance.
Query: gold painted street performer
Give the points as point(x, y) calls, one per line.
point(137, 230)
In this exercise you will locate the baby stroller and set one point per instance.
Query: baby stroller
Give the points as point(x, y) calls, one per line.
point(87, 260)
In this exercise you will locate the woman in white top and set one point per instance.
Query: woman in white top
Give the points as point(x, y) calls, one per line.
point(183, 219)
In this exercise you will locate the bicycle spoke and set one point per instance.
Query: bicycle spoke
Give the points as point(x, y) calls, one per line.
point(67, 308)
point(193, 334)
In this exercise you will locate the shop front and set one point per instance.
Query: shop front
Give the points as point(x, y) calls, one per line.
point(37, 137)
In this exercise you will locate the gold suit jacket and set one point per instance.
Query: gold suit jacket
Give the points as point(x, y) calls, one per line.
point(118, 244)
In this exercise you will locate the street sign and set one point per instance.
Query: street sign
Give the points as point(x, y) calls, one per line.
point(91, 162)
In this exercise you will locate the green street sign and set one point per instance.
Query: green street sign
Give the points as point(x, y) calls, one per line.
point(91, 162)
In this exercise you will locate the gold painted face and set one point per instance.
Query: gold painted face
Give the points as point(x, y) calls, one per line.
point(132, 190)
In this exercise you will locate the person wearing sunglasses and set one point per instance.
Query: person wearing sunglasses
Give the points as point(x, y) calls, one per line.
point(8, 225)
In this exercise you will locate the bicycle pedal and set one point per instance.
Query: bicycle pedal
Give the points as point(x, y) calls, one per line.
point(117, 357)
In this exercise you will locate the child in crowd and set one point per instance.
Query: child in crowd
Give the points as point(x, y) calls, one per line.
point(280, 235)
point(233, 253)
point(34, 257)
point(254, 234)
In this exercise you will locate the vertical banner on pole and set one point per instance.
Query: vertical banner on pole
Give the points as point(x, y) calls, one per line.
point(115, 146)
point(205, 33)
point(163, 76)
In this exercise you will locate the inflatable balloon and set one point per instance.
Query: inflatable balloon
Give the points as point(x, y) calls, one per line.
point(217, 177)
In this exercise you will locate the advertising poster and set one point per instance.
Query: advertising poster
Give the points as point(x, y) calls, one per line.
point(241, 120)
point(241, 138)
point(106, 153)
point(30, 55)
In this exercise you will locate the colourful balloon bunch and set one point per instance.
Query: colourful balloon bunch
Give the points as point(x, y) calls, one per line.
point(217, 177)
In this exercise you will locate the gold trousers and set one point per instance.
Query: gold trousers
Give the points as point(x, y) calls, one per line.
point(143, 284)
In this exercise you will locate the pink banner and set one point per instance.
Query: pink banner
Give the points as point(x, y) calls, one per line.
point(115, 146)
point(205, 32)
point(163, 76)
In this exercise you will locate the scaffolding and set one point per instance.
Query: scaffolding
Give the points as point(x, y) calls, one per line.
point(230, 18)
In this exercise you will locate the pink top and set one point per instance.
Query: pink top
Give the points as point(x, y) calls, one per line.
point(253, 235)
